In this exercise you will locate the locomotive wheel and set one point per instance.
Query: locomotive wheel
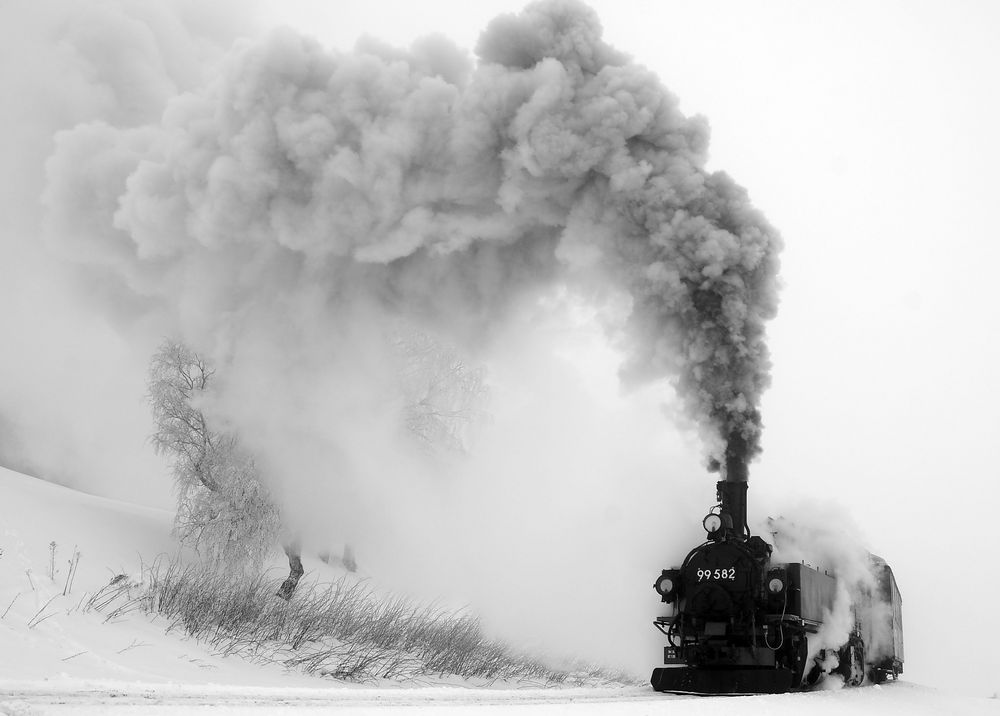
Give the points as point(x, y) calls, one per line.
point(815, 672)
point(800, 651)
point(881, 674)
point(857, 651)
point(852, 662)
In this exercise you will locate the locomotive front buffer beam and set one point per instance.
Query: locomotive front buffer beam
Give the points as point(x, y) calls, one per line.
point(721, 682)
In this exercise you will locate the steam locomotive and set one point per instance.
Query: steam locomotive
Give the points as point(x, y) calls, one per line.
point(742, 624)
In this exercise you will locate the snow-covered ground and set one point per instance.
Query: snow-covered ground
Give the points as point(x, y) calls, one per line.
point(57, 657)
point(897, 699)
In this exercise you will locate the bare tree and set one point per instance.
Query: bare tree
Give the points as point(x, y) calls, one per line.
point(443, 395)
point(223, 509)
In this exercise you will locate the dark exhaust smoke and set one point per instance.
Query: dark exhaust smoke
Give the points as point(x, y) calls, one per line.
point(736, 468)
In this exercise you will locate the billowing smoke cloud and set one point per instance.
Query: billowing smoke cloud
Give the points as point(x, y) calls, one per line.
point(429, 186)
point(68, 395)
point(281, 207)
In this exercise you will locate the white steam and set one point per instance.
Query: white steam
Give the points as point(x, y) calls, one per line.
point(826, 537)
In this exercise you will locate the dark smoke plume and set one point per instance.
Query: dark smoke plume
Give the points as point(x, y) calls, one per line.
point(438, 188)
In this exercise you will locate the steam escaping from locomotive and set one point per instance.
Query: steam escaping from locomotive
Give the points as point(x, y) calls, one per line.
point(827, 538)
point(303, 188)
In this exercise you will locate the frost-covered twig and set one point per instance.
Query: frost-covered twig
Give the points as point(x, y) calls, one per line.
point(71, 574)
point(10, 605)
point(35, 621)
point(135, 644)
point(79, 604)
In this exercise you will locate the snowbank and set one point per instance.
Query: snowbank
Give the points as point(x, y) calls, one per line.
point(47, 637)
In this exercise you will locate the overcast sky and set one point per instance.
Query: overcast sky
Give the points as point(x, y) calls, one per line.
point(866, 132)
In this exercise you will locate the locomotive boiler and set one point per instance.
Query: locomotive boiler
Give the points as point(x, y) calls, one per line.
point(741, 623)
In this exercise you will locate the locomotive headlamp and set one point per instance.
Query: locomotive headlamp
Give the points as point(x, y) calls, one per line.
point(712, 523)
point(666, 584)
point(775, 586)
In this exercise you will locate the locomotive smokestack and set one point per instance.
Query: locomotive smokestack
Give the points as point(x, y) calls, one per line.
point(733, 490)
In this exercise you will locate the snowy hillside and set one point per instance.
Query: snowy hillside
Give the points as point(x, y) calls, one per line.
point(58, 657)
point(47, 635)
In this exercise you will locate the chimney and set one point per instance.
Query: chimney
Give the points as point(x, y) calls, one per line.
point(732, 491)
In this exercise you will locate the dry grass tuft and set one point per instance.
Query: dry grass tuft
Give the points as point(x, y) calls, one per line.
point(341, 630)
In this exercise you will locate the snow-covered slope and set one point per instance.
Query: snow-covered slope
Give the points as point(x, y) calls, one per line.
point(49, 637)
point(56, 657)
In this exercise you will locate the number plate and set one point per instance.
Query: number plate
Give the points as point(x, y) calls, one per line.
point(717, 575)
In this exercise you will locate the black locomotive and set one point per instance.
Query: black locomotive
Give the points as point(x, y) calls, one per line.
point(742, 624)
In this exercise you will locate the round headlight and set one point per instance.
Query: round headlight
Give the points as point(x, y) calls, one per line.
point(665, 585)
point(712, 523)
point(775, 585)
